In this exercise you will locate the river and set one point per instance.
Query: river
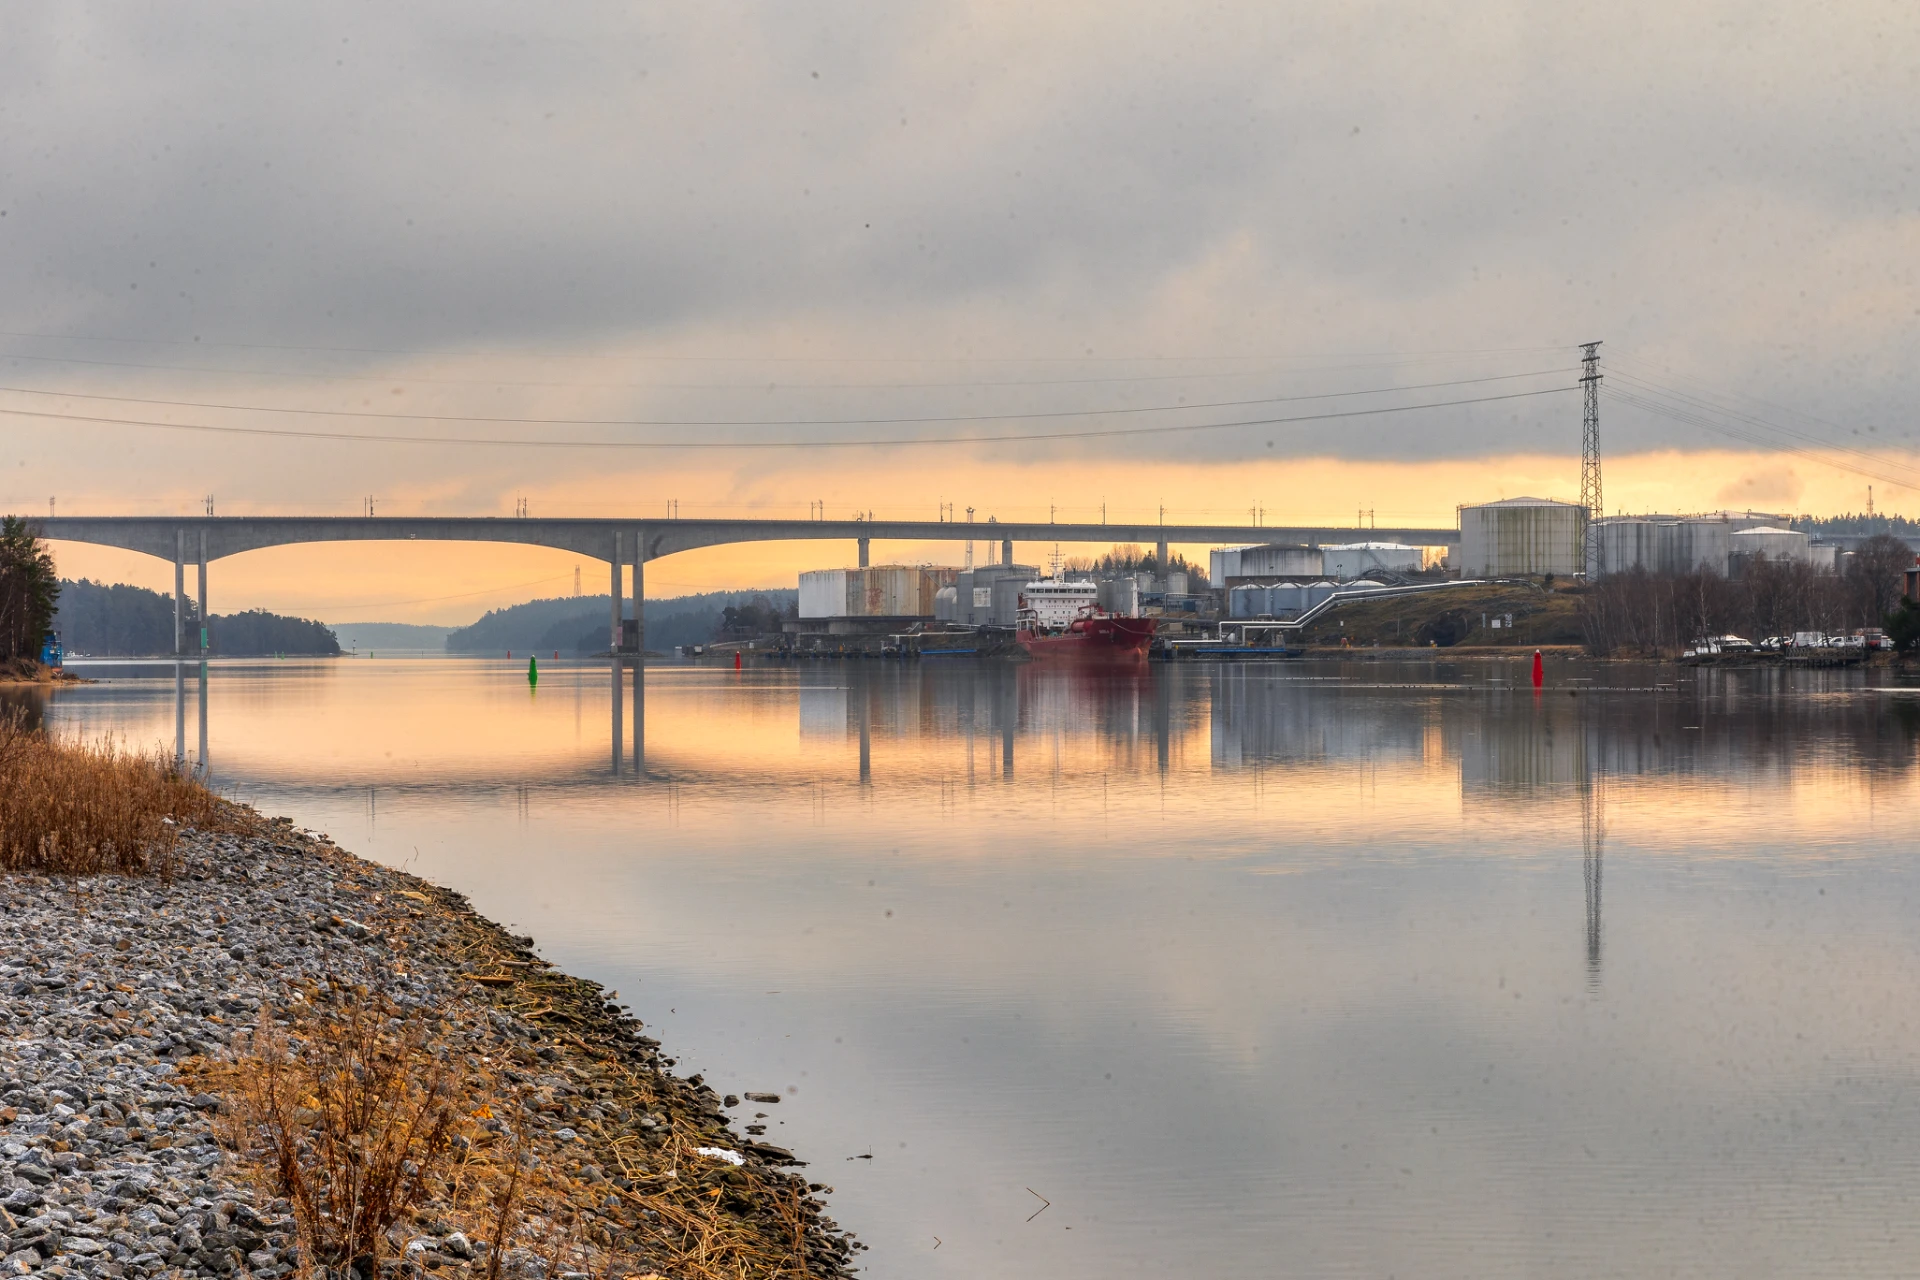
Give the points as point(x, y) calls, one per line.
point(1300, 969)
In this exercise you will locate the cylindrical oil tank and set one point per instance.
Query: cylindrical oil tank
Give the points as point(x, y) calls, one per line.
point(823, 593)
point(1276, 560)
point(1522, 537)
point(1346, 561)
point(1771, 543)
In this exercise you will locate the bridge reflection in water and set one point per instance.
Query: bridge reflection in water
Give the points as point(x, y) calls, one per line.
point(1271, 758)
point(201, 764)
point(1292, 909)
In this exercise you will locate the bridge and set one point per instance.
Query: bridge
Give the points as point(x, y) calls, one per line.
point(202, 539)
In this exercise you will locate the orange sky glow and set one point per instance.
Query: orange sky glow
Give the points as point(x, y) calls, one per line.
point(455, 583)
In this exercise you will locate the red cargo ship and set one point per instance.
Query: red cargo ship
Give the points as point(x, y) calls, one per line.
point(1060, 619)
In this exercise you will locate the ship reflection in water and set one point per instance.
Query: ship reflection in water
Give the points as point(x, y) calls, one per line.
point(1296, 968)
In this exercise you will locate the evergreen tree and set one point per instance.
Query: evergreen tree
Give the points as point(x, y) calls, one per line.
point(29, 590)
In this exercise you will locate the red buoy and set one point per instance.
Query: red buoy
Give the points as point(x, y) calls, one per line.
point(1539, 670)
point(736, 659)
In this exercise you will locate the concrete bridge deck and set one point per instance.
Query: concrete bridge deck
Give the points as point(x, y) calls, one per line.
point(202, 539)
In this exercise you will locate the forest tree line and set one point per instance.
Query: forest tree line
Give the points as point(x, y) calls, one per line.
point(1640, 612)
point(1130, 558)
point(117, 620)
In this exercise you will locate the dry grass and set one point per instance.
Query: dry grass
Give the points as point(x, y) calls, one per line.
point(86, 808)
point(367, 1118)
point(356, 1120)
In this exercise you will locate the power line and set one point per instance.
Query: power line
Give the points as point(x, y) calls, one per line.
point(772, 422)
point(1704, 404)
point(1190, 376)
point(712, 359)
point(1098, 433)
point(1683, 414)
point(1652, 374)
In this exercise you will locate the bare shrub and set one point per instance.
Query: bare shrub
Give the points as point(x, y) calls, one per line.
point(370, 1117)
point(85, 808)
point(355, 1120)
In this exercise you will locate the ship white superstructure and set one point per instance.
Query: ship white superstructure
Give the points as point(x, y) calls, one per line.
point(1055, 602)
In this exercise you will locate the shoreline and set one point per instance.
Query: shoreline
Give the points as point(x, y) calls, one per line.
point(123, 1001)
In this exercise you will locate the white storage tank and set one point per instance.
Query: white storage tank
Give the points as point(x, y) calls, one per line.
point(1265, 560)
point(823, 593)
point(1769, 543)
point(1522, 537)
point(989, 596)
point(1672, 544)
point(1291, 599)
point(1121, 596)
point(1344, 562)
point(882, 591)
point(945, 604)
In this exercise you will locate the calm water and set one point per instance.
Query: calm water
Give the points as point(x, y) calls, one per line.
point(1303, 970)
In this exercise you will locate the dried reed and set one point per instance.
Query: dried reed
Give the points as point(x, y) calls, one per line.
point(85, 808)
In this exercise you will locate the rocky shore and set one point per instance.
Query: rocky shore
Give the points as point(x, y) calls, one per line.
point(126, 1001)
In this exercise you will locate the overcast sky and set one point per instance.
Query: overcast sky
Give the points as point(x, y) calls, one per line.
point(727, 213)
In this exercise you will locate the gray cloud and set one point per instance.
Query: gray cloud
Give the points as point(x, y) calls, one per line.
point(1728, 193)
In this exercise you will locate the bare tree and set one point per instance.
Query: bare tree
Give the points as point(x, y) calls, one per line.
point(1875, 574)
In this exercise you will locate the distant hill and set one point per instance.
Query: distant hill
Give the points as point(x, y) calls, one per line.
point(117, 620)
point(579, 624)
point(362, 636)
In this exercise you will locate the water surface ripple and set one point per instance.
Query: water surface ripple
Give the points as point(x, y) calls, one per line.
point(1276, 969)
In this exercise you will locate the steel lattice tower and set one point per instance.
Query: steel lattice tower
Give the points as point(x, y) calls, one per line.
point(1590, 453)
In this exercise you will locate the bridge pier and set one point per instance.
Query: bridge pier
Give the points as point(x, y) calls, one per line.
point(864, 544)
point(640, 592)
point(1160, 560)
point(203, 595)
point(1006, 551)
point(613, 644)
point(179, 593)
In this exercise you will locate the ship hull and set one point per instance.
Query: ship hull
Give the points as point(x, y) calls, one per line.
point(1102, 639)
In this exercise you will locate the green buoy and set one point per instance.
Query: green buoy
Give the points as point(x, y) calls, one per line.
point(533, 671)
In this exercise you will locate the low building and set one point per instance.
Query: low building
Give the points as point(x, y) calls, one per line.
point(1522, 538)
